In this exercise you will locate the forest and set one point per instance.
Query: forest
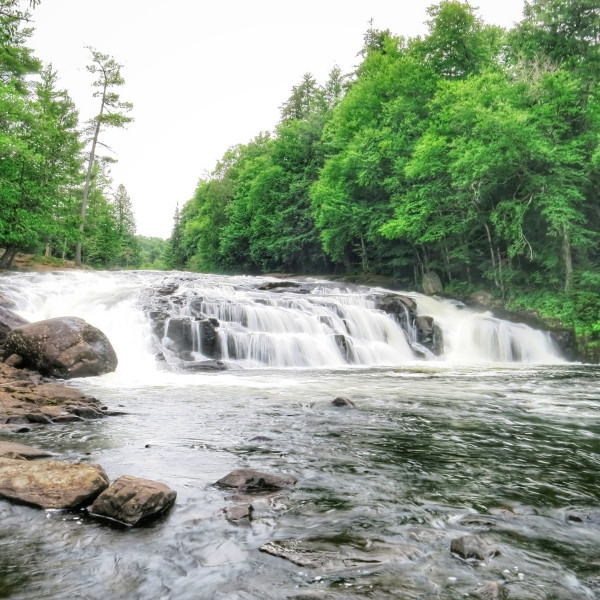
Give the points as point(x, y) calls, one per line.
point(472, 152)
point(57, 198)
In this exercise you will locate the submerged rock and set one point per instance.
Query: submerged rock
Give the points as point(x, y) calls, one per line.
point(132, 501)
point(330, 555)
point(204, 365)
point(472, 546)
point(239, 512)
point(343, 401)
point(250, 480)
point(492, 590)
point(591, 518)
point(64, 347)
point(50, 484)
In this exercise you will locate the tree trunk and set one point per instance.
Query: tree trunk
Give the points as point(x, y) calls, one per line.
point(364, 257)
point(492, 253)
point(568, 258)
point(88, 177)
point(7, 258)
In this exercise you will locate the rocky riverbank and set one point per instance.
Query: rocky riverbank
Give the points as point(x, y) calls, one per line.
point(28, 398)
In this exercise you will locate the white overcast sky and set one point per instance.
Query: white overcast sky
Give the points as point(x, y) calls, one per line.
point(204, 76)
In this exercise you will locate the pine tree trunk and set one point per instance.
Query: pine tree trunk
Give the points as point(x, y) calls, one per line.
point(88, 178)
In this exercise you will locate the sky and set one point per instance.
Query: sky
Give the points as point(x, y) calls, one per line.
point(204, 76)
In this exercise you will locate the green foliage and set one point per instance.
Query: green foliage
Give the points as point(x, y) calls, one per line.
point(151, 250)
point(471, 151)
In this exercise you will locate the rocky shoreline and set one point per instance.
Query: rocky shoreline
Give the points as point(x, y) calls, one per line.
point(26, 398)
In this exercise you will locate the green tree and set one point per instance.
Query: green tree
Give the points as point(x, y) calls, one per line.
point(112, 113)
point(125, 221)
point(174, 257)
point(458, 43)
point(58, 141)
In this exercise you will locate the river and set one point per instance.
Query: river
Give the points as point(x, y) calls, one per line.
point(437, 447)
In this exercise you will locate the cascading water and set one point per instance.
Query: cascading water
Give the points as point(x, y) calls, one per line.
point(247, 322)
point(463, 425)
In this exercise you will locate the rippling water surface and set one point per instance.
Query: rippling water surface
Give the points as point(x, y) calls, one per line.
point(509, 452)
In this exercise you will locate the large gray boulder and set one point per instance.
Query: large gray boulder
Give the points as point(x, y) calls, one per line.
point(132, 500)
point(64, 347)
point(50, 484)
point(432, 283)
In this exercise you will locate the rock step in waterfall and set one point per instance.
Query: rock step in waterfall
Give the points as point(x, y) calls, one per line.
point(248, 322)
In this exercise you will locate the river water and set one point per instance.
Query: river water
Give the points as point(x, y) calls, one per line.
point(465, 443)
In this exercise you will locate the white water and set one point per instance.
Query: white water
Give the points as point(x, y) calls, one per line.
point(276, 329)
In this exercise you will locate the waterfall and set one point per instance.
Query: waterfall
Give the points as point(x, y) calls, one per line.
point(181, 321)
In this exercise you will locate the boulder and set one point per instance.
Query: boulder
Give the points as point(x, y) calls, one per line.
point(432, 283)
point(64, 347)
point(21, 451)
point(179, 331)
point(133, 501)
point(207, 333)
point(395, 303)
point(429, 334)
point(472, 546)
point(250, 480)
point(50, 484)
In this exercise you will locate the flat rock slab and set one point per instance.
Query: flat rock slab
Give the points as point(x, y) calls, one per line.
point(14, 450)
point(132, 500)
point(331, 555)
point(50, 484)
point(27, 397)
point(255, 481)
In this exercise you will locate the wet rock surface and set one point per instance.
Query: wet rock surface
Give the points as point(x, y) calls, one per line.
point(250, 480)
point(327, 554)
point(132, 501)
point(50, 484)
point(472, 546)
point(64, 347)
point(341, 401)
point(21, 451)
point(26, 397)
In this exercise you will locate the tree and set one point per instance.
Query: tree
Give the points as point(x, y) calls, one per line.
point(58, 141)
point(125, 226)
point(174, 257)
point(112, 113)
point(458, 43)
